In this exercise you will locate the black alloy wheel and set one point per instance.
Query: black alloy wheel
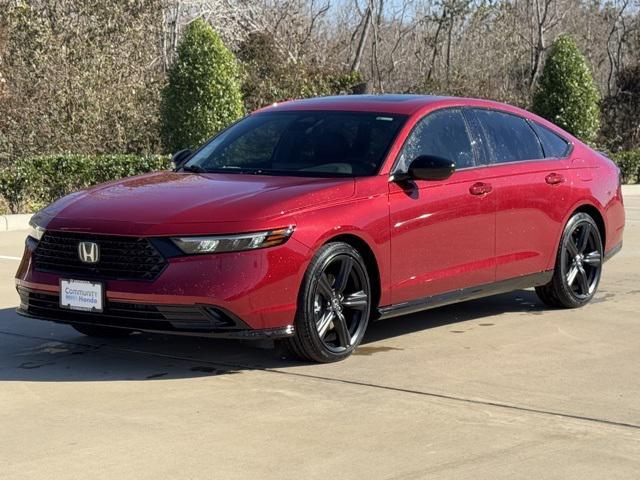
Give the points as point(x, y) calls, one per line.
point(334, 305)
point(578, 265)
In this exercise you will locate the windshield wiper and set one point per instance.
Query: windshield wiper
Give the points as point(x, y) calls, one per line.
point(194, 169)
point(238, 169)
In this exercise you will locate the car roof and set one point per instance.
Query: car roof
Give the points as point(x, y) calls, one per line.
point(403, 104)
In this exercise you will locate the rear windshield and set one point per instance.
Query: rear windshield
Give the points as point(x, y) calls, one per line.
point(308, 143)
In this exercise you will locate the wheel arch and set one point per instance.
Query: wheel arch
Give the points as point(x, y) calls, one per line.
point(594, 213)
point(370, 262)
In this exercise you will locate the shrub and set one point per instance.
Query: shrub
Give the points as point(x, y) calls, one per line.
point(33, 182)
point(80, 76)
point(203, 94)
point(566, 94)
point(629, 164)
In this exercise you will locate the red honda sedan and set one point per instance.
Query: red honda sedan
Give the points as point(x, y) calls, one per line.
point(308, 219)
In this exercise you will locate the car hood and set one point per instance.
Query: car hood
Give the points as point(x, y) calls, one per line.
point(160, 203)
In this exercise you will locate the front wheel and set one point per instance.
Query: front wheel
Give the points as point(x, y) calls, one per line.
point(578, 265)
point(334, 305)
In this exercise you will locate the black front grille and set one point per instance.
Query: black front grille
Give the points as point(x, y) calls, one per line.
point(192, 318)
point(124, 258)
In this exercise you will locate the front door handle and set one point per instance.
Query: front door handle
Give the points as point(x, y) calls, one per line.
point(554, 178)
point(480, 188)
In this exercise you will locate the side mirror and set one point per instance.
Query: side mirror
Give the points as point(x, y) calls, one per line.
point(430, 167)
point(180, 157)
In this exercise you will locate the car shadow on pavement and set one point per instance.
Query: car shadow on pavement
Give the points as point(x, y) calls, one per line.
point(524, 301)
point(31, 350)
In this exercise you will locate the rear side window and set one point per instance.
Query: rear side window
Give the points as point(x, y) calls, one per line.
point(553, 145)
point(442, 133)
point(510, 137)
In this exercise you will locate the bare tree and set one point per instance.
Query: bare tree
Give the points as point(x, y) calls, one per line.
point(542, 16)
point(363, 27)
point(618, 36)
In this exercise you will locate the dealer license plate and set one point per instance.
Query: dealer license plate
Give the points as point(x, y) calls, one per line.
point(81, 295)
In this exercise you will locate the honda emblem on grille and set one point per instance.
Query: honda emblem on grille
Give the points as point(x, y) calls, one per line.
point(88, 252)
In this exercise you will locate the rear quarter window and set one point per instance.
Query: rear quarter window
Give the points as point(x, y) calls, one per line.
point(554, 145)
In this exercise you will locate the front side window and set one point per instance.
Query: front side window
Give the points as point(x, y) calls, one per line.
point(304, 143)
point(510, 137)
point(442, 133)
point(553, 145)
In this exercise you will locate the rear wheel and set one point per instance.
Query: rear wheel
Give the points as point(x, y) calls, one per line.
point(334, 305)
point(101, 332)
point(578, 265)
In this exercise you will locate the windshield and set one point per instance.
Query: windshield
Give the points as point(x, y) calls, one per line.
point(309, 143)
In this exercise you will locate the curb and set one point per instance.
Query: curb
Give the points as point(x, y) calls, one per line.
point(10, 223)
point(630, 190)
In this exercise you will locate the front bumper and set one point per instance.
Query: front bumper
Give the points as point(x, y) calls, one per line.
point(196, 320)
point(250, 294)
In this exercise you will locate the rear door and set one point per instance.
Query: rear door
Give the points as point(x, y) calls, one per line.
point(442, 232)
point(530, 193)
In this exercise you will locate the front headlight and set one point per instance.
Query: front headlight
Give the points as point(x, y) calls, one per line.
point(233, 243)
point(36, 230)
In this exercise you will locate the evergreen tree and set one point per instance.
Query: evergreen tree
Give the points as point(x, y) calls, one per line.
point(203, 94)
point(566, 94)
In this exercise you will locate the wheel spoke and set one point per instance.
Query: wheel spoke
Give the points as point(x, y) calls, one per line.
point(340, 326)
point(583, 281)
point(324, 323)
point(356, 301)
point(593, 259)
point(571, 246)
point(571, 276)
point(342, 278)
point(583, 238)
point(324, 286)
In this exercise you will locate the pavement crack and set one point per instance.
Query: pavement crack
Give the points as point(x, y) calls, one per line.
point(442, 396)
point(467, 400)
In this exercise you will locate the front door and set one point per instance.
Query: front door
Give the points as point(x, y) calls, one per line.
point(442, 232)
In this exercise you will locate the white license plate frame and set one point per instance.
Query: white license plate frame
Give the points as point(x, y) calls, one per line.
point(81, 295)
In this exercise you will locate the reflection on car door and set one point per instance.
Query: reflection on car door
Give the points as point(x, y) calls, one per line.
point(442, 232)
point(529, 193)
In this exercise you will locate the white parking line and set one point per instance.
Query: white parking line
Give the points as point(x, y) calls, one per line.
point(8, 257)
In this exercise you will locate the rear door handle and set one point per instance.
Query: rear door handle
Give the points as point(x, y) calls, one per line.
point(554, 178)
point(480, 188)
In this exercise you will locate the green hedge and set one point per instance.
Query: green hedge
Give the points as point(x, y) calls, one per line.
point(629, 164)
point(33, 182)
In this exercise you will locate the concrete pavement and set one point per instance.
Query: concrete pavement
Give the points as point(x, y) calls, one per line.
point(494, 388)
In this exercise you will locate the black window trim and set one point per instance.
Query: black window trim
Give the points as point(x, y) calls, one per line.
point(395, 169)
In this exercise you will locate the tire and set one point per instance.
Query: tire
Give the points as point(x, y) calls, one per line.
point(99, 331)
point(334, 305)
point(578, 266)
